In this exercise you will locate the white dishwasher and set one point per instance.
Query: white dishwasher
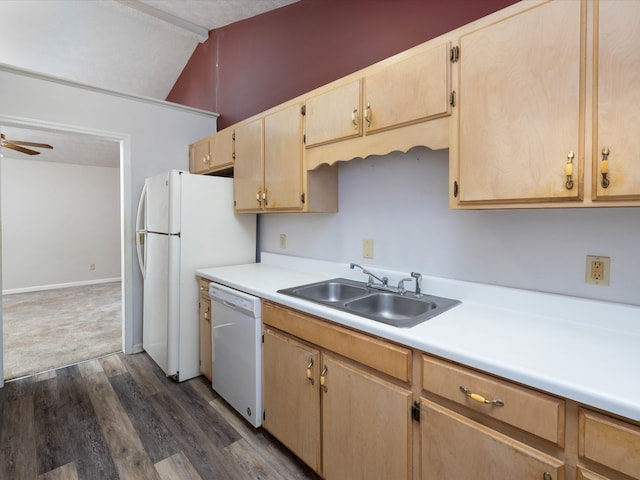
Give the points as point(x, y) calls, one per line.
point(236, 337)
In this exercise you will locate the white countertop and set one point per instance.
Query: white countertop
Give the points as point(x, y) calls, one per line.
point(581, 349)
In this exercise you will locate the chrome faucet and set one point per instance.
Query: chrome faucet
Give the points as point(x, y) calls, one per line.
point(384, 281)
point(418, 278)
point(401, 289)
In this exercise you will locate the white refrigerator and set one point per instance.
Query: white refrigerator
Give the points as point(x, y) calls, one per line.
point(184, 222)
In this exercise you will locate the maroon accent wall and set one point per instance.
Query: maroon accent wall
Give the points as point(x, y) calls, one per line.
point(266, 60)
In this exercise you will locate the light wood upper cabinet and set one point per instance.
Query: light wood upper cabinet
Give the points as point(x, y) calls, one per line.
point(199, 156)
point(269, 173)
point(409, 91)
point(334, 115)
point(520, 95)
point(221, 146)
point(617, 80)
point(283, 159)
point(382, 108)
point(248, 170)
point(546, 103)
point(213, 153)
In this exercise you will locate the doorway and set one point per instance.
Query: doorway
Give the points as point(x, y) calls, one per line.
point(62, 224)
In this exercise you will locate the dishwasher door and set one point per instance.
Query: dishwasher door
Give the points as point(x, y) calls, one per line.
point(236, 337)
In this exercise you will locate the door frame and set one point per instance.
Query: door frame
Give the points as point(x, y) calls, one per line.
point(126, 241)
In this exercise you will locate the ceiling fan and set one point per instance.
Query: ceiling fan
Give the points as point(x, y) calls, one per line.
point(19, 146)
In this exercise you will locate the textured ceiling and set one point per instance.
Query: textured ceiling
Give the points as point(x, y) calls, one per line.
point(133, 46)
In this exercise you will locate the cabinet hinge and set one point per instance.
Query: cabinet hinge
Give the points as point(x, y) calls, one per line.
point(233, 136)
point(262, 338)
point(303, 110)
point(415, 411)
point(452, 99)
point(454, 54)
point(234, 203)
point(302, 198)
point(264, 415)
point(304, 139)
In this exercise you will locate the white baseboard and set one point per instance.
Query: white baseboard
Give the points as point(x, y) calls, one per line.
point(39, 288)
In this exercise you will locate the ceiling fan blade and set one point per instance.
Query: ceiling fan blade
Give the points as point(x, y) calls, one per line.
point(11, 146)
point(30, 144)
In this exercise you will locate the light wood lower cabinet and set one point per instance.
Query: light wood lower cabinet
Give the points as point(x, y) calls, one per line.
point(345, 403)
point(291, 399)
point(610, 442)
point(455, 447)
point(204, 308)
point(465, 426)
point(366, 424)
point(338, 416)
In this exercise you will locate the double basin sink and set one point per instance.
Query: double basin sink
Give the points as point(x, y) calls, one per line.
point(393, 308)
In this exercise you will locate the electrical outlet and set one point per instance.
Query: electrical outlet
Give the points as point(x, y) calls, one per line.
point(598, 270)
point(367, 248)
point(92, 266)
point(283, 241)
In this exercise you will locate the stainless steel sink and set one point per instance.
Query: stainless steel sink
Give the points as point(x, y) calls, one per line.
point(387, 307)
point(331, 291)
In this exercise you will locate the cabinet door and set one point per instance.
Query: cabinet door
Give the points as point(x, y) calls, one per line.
point(617, 77)
point(247, 174)
point(221, 147)
point(283, 159)
point(366, 433)
point(610, 442)
point(457, 448)
point(409, 91)
point(205, 338)
point(199, 156)
point(291, 397)
point(334, 115)
point(520, 94)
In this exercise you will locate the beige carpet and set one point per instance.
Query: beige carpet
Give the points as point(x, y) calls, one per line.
point(53, 328)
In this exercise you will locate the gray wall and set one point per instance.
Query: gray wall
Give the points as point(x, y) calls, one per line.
point(57, 219)
point(401, 202)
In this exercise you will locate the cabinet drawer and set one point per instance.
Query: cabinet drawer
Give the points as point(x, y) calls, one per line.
point(610, 442)
point(531, 411)
point(385, 357)
point(582, 474)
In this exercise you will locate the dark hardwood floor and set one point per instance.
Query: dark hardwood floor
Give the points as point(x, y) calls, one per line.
point(118, 417)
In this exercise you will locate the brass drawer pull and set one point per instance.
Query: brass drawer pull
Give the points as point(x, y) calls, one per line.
point(309, 373)
point(354, 118)
point(367, 114)
point(604, 167)
point(479, 398)
point(568, 170)
point(322, 378)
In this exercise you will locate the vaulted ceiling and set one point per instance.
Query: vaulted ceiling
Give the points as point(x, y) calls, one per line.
point(133, 46)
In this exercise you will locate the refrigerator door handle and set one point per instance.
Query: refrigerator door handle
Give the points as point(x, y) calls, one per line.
point(141, 233)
